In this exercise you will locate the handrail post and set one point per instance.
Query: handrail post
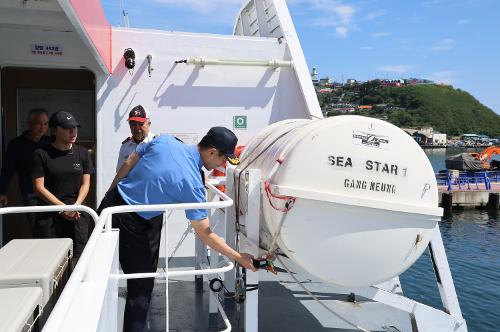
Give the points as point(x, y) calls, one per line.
point(165, 218)
point(252, 227)
point(214, 219)
point(199, 251)
point(230, 277)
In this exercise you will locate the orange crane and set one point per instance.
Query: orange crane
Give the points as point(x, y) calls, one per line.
point(485, 156)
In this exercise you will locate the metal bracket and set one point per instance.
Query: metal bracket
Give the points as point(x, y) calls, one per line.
point(149, 58)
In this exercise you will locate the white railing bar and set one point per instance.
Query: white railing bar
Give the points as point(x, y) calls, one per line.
point(223, 269)
point(205, 266)
point(49, 208)
point(159, 207)
point(219, 193)
point(226, 202)
point(216, 180)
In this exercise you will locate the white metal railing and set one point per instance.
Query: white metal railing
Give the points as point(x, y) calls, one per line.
point(63, 305)
point(49, 208)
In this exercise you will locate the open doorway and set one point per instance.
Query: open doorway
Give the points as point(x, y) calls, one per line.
point(51, 89)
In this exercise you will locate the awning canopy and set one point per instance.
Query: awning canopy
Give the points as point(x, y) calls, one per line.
point(55, 33)
point(89, 21)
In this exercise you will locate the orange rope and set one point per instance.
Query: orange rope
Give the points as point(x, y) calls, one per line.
point(288, 205)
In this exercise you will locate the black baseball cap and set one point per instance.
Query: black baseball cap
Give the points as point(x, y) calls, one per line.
point(138, 113)
point(223, 140)
point(63, 119)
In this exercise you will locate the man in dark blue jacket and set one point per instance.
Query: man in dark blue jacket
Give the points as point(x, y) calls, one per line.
point(19, 159)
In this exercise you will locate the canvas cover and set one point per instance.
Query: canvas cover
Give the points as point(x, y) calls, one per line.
point(463, 162)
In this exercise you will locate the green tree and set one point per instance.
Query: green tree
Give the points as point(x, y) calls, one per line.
point(448, 110)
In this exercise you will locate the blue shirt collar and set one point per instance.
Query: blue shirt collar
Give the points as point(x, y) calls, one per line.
point(196, 156)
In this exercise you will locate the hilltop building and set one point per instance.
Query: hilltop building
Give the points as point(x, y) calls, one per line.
point(326, 81)
point(342, 108)
point(387, 83)
point(325, 90)
point(410, 81)
point(314, 76)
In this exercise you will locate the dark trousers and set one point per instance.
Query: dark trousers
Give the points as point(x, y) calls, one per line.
point(53, 225)
point(139, 247)
point(31, 201)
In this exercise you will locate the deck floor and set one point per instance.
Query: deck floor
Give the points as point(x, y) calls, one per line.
point(283, 306)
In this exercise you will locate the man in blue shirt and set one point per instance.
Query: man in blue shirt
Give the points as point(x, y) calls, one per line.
point(164, 171)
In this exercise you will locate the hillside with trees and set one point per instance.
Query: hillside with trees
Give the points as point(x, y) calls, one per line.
point(448, 110)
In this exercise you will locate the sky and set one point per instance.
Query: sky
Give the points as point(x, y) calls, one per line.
point(455, 42)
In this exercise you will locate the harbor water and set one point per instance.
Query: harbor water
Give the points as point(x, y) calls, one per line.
point(472, 241)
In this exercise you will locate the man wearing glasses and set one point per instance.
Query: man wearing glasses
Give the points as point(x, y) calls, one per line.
point(139, 128)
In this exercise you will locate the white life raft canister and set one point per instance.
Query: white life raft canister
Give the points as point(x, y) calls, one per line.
point(352, 200)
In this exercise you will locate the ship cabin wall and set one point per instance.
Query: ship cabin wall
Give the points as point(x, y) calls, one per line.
point(186, 100)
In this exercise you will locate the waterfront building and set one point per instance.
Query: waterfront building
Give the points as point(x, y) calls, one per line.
point(470, 138)
point(422, 136)
point(438, 138)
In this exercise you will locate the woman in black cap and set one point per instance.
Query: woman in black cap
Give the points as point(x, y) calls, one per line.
point(61, 176)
